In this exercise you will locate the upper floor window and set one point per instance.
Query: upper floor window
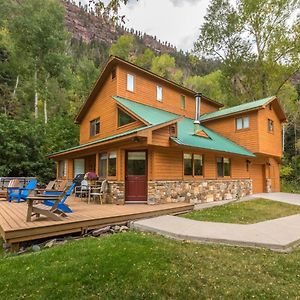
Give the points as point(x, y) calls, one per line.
point(242, 123)
point(182, 102)
point(223, 166)
point(159, 93)
point(124, 118)
point(94, 127)
point(130, 82)
point(270, 125)
point(193, 164)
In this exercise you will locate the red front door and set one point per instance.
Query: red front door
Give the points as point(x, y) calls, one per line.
point(136, 176)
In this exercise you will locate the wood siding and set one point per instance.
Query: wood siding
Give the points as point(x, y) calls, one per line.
point(168, 165)
point(247, 138)
point(145, 93)
point(161, 137)
point(106, 108)
point(270, 143)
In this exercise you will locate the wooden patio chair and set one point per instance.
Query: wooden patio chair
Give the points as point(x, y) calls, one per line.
point(36, 208)
point(49, 187)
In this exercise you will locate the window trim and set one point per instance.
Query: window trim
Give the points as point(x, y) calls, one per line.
point(268, 127)
point(230, 167)
point(117, 121)
point(159, 87)
point(91, 136)
point(133, 82)
point(182, 97)
point(107, 164)
point(193, 165)
point(243, 128)
point(64, 170)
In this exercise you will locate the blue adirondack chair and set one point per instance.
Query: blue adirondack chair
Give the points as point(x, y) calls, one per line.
point(21, 194)
point(62, 206)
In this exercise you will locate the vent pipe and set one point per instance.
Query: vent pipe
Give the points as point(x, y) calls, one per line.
point(197, 112)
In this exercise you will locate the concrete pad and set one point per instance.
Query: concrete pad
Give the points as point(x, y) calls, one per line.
point(280, 234)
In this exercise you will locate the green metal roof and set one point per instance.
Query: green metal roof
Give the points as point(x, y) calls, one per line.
point(154, 116)
point(186, 134)
point(151, 115)
point(186, 137)
point(236, 109)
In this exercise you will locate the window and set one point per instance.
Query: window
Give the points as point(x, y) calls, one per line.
point(187, 161)
point(223, 166)
point(112, 164)
point(173, 130)
point(136, 163)
point(182, 102)
point(159, 95)
point(107, 164)
point(62, 168)
point(102, 165)
point(124, 118)
point(198, 165)
point(270, 125)
point(193, 164)
point(94, 127)
point(130, 82)
point(242, 123)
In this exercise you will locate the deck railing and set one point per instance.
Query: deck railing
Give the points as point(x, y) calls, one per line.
point(23, 181)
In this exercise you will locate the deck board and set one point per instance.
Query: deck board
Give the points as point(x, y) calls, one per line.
point(14, 228)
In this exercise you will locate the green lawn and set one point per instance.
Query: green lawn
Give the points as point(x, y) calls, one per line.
point(144, 266)
point(248, 212)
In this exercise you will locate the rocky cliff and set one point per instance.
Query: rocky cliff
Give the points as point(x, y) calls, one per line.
point(87, 27)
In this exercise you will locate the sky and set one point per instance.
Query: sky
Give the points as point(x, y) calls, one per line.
point(174, 21)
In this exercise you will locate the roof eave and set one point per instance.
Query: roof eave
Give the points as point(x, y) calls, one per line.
point(177, 142)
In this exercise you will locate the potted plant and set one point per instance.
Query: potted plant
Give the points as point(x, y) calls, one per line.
point(91, 177)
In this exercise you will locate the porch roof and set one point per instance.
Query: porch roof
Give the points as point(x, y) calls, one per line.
point(185, 135)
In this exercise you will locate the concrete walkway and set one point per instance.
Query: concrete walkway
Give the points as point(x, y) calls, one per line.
point(281, 234)
point(281, 197)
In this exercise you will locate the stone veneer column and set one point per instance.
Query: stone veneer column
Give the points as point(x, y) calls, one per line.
point(115, 193)
point(269, 185)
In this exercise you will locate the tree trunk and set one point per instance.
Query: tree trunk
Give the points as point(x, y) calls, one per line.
point(264, 85)
point(45, 111)
point(45, 100)
point(36, 99)
point(15, 88)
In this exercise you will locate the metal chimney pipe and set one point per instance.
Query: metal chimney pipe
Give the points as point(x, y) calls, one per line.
point(197, 112)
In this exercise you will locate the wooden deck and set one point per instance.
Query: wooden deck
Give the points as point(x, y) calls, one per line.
point(15, 229)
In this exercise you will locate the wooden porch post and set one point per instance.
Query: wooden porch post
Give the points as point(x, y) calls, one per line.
point(57, 169)
point(97, 164)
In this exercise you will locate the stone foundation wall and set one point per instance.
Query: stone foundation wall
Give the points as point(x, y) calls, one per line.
point(115, 193)
point(198, 191)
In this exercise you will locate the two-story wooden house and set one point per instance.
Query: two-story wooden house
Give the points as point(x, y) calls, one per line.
point(156, 141)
